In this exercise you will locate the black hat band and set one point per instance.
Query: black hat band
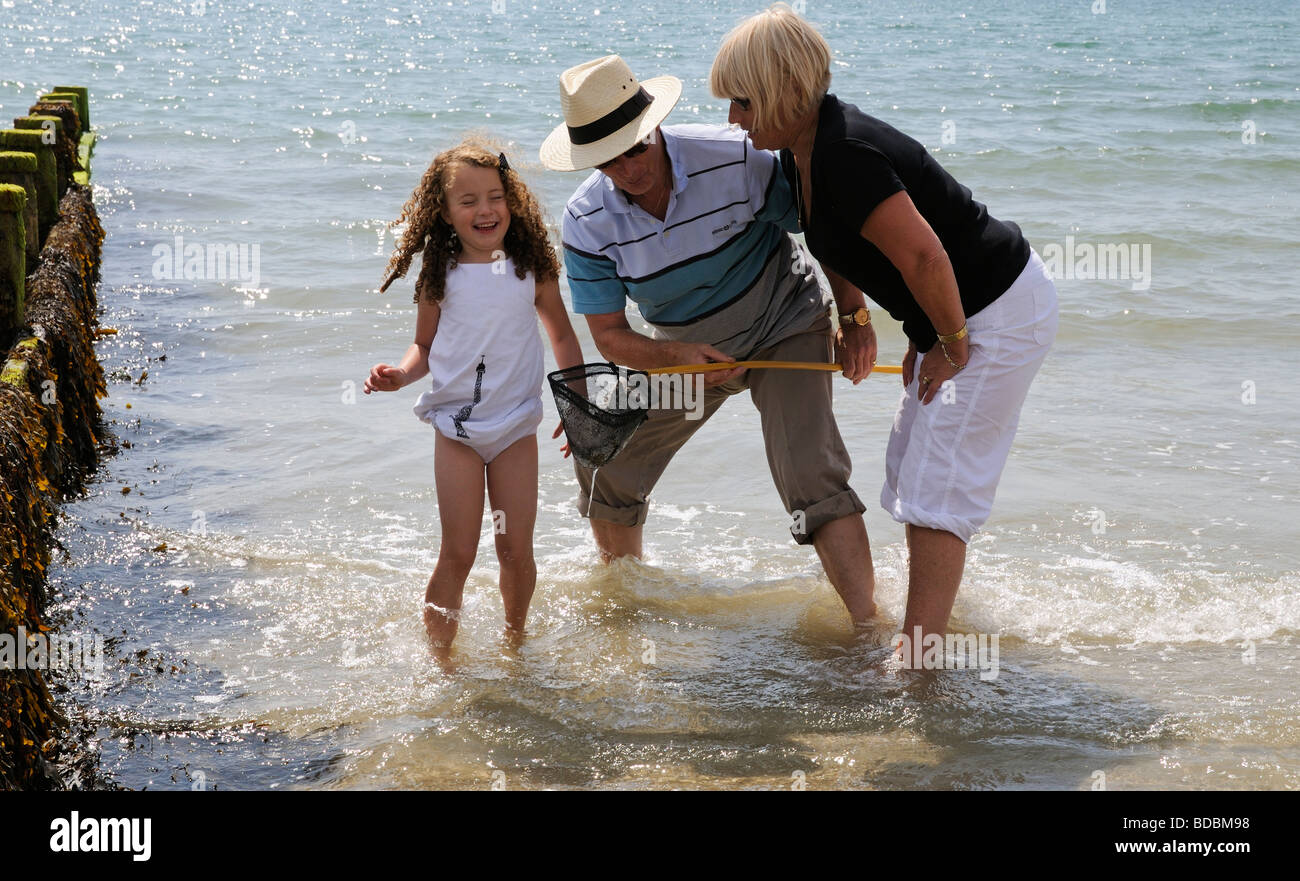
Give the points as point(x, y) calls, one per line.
point(612, 121)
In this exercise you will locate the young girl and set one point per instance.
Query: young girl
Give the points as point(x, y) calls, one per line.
point(487, 264)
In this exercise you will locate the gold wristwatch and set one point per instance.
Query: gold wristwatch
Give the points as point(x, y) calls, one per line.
point(859, 316)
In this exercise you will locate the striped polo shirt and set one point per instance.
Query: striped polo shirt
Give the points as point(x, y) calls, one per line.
point(729, 209)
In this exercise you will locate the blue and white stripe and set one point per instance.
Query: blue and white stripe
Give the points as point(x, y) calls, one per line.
point(729, 209)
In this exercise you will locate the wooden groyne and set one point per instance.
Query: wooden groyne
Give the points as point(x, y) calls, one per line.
point(50, 418)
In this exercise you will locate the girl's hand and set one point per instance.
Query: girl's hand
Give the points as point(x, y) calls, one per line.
point(559, 429)
point(909, 363)
point(385, 378)
point(936, 368)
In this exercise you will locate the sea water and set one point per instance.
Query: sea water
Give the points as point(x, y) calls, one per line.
point(257, 549)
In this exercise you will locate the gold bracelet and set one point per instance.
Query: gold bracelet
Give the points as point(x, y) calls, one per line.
point(953, 337)
point(948, 357)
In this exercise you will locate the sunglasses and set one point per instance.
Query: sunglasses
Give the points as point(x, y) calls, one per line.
point(641, 147)
point(743, 102)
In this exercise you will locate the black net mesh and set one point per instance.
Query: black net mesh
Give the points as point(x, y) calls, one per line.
point(599, 409)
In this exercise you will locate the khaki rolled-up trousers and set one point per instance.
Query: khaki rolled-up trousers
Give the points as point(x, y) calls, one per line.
point(805, 453)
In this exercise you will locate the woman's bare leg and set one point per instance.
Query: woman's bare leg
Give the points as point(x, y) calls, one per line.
point(936, 560)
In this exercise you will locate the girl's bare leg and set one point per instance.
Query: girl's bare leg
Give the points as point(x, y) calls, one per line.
point(512, 489)
point(458, 475)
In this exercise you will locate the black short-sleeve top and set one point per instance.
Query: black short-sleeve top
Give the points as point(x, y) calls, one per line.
point(857, 162)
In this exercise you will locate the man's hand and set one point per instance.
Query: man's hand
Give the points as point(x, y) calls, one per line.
point(703, 353)
point(855, 349)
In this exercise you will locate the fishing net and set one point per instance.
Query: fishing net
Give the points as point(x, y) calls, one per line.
point(601, 406)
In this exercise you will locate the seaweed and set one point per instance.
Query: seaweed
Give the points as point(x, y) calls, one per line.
point(50, 387)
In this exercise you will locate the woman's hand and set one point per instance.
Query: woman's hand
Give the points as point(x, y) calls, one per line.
point(855, 347)
point(909, 363)
point(385, 378)
point(559, 429)
point(937, 368)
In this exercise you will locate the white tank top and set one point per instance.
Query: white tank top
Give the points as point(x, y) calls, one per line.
point(486, 359)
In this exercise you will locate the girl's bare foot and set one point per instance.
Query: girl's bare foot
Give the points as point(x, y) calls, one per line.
point(441, 625)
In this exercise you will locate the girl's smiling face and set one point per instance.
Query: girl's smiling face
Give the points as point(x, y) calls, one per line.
point(475, 206)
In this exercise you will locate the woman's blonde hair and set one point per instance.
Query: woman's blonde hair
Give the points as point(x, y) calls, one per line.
point(776, 60)
point(428, 234)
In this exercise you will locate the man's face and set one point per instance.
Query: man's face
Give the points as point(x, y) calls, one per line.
point(641, 168)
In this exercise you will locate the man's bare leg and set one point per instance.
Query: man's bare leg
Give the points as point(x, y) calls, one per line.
point(616, 541)
point(846, 557)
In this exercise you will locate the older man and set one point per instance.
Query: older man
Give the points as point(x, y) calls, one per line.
point(690, 223)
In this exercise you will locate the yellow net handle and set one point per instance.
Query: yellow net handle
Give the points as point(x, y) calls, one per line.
point(787, 365)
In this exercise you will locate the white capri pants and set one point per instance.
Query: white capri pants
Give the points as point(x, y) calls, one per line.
point(944, 460)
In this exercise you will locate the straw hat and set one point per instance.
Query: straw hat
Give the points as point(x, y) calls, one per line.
point(606, 111)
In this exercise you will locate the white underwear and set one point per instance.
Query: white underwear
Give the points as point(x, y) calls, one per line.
point(489, 441)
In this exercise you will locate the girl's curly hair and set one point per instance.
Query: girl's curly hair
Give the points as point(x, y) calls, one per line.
point(526, 241)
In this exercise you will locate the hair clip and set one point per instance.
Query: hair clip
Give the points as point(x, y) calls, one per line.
point(502, 163)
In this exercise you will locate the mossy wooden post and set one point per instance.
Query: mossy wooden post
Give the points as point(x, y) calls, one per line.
point(19, 169)
point(72, 97)
point(47, 173)
point(70, 100)
point(83, 105)
point(73, 102)
point(86, 139)
point(51, 128)
point(13, 258)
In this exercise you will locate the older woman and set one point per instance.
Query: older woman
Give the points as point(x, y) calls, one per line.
point(976, 303)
